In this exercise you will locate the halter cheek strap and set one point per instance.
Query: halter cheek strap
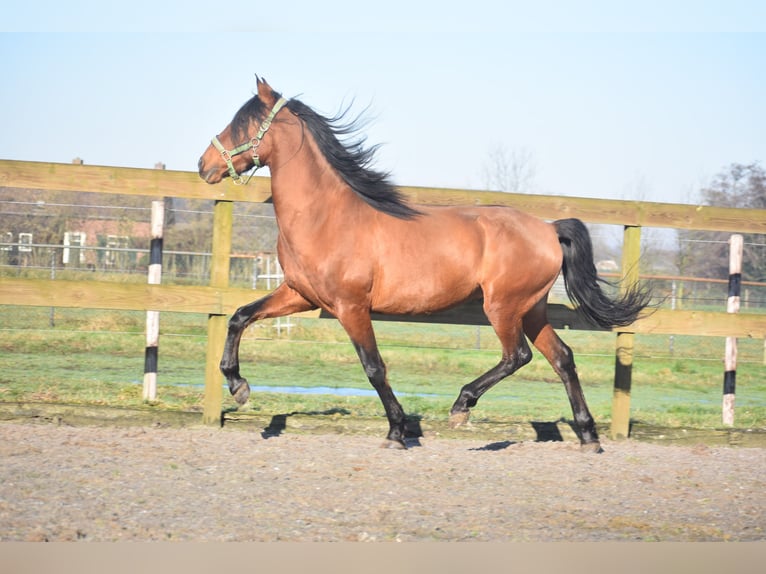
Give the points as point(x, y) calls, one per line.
point(253, 144)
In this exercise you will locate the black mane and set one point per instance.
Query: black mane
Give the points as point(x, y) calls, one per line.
point(352, 160)
point(253, 109)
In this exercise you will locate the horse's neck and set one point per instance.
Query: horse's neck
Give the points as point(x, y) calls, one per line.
point(308, 195)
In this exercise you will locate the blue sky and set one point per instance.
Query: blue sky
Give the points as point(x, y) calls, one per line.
point(608, 99)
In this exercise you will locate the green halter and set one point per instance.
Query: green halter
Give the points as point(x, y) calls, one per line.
point(253, 144)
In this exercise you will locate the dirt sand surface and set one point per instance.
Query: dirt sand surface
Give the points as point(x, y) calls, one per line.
point(96, 483)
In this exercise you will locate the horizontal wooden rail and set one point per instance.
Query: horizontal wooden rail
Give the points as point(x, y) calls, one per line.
point(160, 183)
point(124, 180)
point(218, 301)
point(125, 296)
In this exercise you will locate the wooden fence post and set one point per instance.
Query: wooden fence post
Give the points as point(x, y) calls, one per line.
point(623, 368)
point(736, 245)
point(153, 317)
point(216, 325)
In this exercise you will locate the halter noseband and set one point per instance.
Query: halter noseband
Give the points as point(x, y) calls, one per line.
point(253, 144)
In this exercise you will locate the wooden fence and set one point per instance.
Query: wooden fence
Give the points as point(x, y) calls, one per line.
point(218, 300)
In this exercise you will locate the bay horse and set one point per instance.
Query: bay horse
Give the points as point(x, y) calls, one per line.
point(350, 243)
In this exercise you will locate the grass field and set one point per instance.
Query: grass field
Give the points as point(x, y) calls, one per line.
point(96, 357)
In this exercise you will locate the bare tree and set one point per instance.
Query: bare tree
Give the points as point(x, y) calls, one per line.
point(706, 253)
point(509, 170)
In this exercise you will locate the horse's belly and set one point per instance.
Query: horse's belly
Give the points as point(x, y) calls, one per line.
point(420, 295)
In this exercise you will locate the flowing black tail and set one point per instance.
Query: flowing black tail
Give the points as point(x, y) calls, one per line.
point(583, 284)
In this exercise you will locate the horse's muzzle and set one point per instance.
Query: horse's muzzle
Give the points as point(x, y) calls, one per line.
point(212, 175)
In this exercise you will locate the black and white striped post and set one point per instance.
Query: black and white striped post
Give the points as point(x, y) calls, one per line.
point(736, 243)
point(153, 317)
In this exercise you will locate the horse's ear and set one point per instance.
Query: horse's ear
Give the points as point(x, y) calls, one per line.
point(265, 92)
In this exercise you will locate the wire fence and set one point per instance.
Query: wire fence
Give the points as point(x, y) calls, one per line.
point(124, 258)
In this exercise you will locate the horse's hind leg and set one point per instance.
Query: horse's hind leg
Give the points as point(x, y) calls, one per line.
point(560, 356)
point(283, 301)
point(516, 354)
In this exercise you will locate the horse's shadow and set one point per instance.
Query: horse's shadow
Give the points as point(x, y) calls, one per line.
point(278, 424)
point(545, 432)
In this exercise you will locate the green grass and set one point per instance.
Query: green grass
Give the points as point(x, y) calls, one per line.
point(96, 357)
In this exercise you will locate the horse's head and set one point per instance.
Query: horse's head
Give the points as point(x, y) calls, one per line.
point(240, 146)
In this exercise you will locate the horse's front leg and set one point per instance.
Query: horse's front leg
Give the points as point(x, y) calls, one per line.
point(356, 321)
point(282, 301)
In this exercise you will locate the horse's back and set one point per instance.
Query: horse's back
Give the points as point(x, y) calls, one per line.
point(504, 232)
point(450, 254)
